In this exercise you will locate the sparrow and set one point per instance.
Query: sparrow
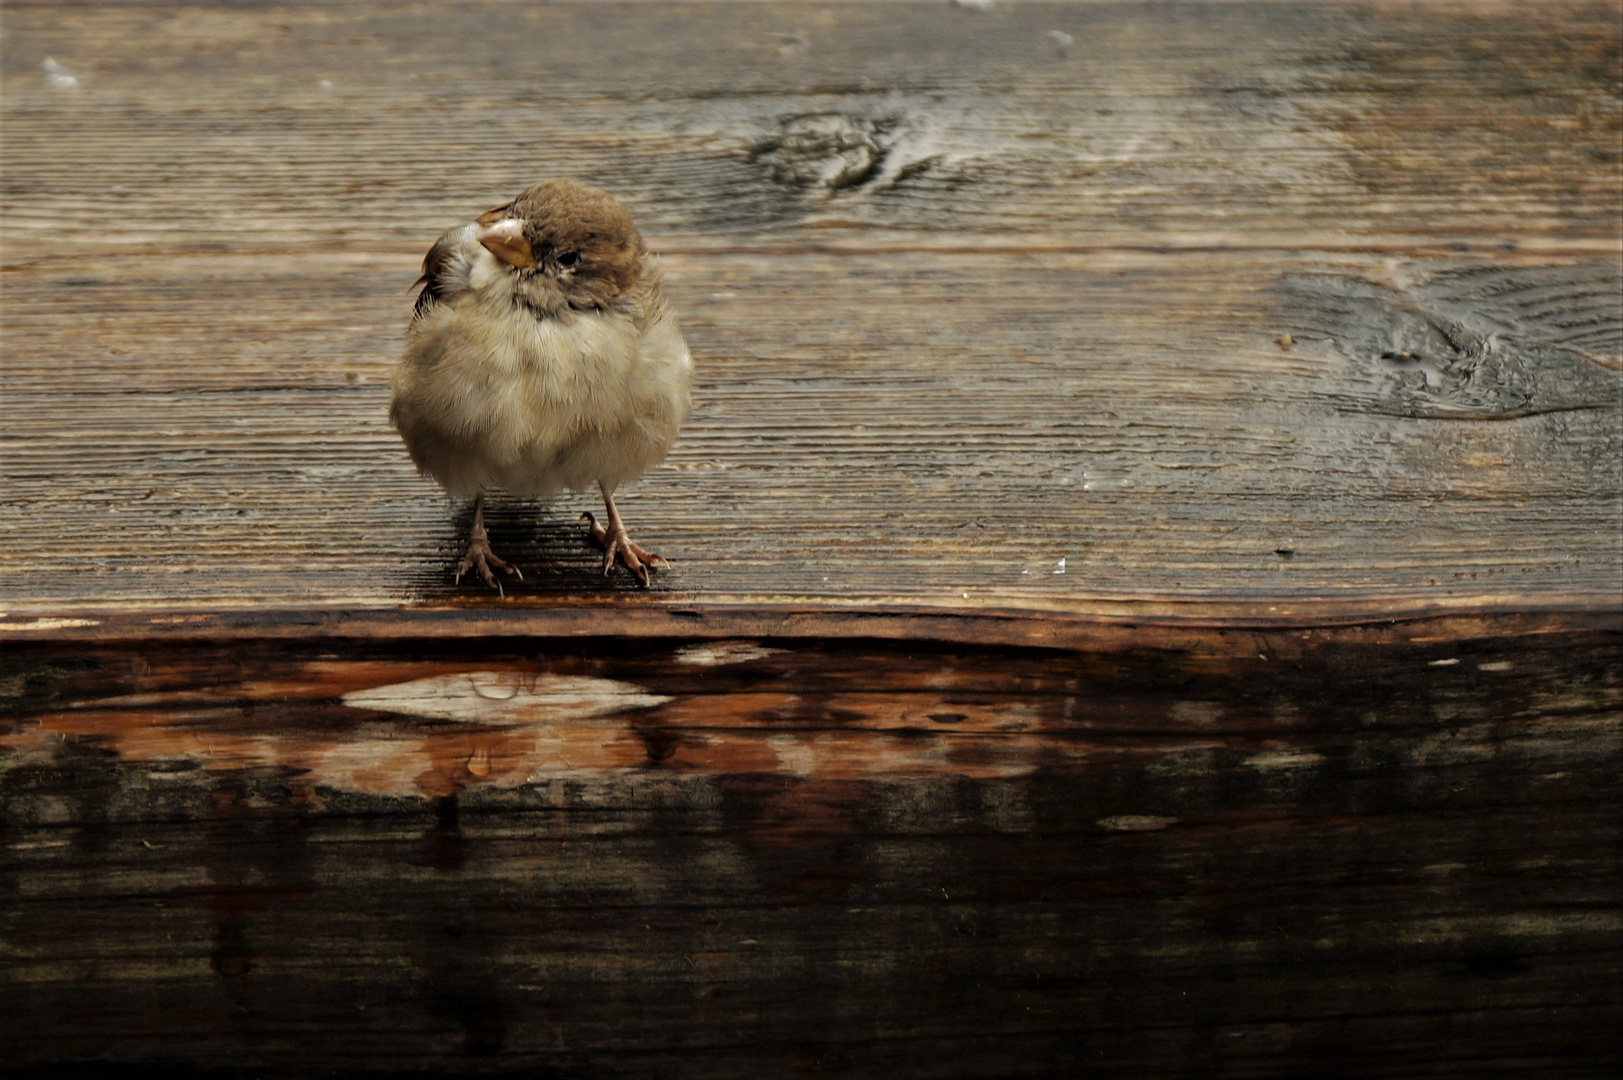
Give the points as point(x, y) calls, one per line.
point(540, 356)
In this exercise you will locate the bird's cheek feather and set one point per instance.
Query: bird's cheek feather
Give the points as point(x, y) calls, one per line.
point(505, 240)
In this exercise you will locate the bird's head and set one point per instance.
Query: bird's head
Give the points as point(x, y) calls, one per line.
point(567, 243)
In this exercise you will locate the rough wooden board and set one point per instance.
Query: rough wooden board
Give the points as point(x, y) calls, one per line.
point(932, 378)
point(1131, 415)
point(1307, 764)
point(1374, 852)
point(199, 127)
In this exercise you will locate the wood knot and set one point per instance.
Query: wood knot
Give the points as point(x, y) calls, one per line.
point(827, 151)
point(1474, 343)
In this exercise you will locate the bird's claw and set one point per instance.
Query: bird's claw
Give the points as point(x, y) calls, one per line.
point(619, 547)
point(481, 558)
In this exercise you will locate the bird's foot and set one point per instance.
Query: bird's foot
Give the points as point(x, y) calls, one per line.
point(617, 547)
point(481, 558)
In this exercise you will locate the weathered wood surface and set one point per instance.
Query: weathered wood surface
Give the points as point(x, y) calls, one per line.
point(964, 305)
point(1307, 762)
point(1370, 851)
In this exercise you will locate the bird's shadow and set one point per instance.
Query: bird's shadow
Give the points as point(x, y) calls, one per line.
point(547, 542)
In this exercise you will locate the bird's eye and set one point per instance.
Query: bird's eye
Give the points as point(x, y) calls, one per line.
point(569, 258)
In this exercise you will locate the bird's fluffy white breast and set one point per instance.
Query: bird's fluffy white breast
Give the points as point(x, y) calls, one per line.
point(489, 395)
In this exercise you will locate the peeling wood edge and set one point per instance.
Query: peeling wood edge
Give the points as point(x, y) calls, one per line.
point(1209, 627)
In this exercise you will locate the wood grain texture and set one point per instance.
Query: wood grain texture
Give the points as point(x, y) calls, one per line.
point(1147, 561)
point(1382, 853)
point(964, 304)
point(1372, 122)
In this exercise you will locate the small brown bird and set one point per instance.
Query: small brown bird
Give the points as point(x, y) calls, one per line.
point(541, 356)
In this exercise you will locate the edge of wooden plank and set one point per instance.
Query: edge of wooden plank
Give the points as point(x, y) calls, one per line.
point(1101, 627)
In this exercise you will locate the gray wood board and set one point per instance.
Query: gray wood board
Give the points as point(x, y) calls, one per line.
point(964, 303)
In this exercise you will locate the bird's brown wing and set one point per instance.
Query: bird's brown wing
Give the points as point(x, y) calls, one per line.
point(445, 266)
point(435, 280)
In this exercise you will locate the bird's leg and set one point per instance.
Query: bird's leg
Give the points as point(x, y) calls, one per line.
point(479, 555)
point(617, 545)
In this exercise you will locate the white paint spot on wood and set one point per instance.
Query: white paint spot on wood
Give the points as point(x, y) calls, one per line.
point(795, 756)
point(49, 624)
point(1450, 662)
point(1495, 665)
point(505, 697)
point(716, 653)
point(59, 76)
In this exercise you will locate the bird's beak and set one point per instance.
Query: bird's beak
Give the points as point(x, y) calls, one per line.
point(505, 240)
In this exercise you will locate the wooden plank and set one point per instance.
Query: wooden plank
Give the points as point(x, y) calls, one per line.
point(1131, 416)
point(1013, 343)
point(735, 858)
point(1289, 333)
point(1368, 123)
